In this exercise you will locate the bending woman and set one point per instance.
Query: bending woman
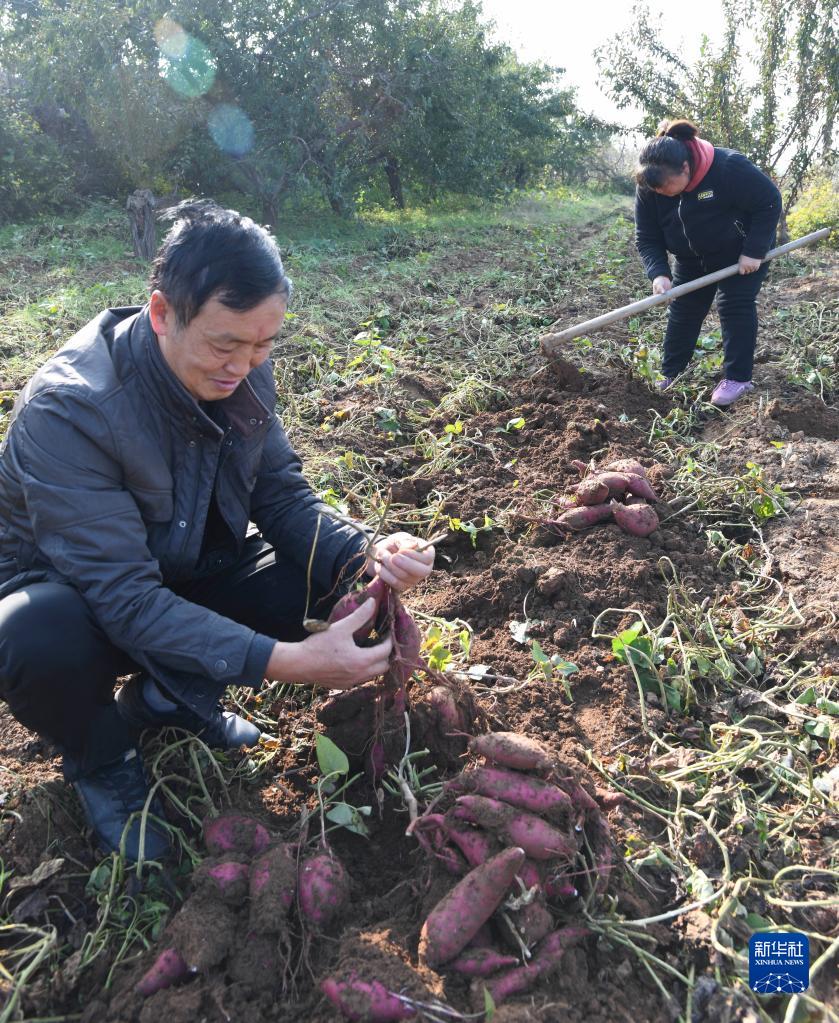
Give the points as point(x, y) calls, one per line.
point(710, 207)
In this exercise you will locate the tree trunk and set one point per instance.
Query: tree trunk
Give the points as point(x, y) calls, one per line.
point(783, 230)
point(140, 206)
point(394, 180)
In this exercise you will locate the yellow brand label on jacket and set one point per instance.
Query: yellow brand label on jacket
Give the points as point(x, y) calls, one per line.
point(705, 195)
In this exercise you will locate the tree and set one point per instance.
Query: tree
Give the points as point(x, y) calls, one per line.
point(771, 90)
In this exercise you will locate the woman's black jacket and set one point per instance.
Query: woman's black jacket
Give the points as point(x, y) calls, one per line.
point(734, 209)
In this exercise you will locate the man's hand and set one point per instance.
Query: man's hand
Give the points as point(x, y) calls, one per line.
point(661, 284)
point(398, 563)
point(331, 658)
point(748, 265)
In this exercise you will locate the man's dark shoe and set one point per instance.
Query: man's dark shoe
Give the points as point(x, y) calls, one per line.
point(222, 730)
point(110, 795)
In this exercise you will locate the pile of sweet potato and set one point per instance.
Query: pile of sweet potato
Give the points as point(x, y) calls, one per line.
point(247, 874)
point(618, 492)
point(525, 836)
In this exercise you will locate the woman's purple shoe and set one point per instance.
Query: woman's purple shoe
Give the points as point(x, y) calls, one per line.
point(728, 391)
point(664, 383)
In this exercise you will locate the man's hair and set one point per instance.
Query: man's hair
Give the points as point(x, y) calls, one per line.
point(211, 252)
point(665, 155)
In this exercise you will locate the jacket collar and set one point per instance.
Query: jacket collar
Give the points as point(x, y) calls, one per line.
point(245, 412)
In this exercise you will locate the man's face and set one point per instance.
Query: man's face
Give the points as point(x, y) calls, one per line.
point(217, 349)
point(676, 183)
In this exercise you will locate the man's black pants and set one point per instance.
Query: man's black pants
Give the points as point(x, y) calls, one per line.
point(736, 305)
point(57, 667)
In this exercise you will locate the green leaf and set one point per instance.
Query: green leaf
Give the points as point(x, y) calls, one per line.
point(807, 697)
point(538, 654)
point(331, 760)
point(489, 1006)
point(565, 668)
point(825, 706)
point(349, 817)
point(820, 727)
point(515, 424)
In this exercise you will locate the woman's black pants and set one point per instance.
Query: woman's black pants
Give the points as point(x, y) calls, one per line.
point(737, 308)
point(57, 667)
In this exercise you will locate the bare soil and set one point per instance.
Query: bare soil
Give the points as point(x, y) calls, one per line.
point(524, 572)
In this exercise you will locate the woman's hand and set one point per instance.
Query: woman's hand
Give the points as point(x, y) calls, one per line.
point(331, 658)
point(661, 285)
point(396, 560)
point(748, 265)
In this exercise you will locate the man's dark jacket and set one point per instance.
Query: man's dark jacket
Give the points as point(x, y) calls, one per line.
point(733, 211)
point(106, 477)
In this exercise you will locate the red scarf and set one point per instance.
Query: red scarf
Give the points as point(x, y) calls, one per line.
point(701, 158)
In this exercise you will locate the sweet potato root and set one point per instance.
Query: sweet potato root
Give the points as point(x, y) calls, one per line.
point(627, 465)
point(476, 845)
point(640, 487)
point(377, 591)
point(635, 519)
point(229, 878)
point(582, 518)
point(539, 839)
point(458, 916)
point(481, 962)
point(533, 922)
point(324, 889)
point(514, 788)
point(273, 885)
point(592, 491)
point(366, 1001)
point(235, 833)
point(166, 969)
point(547, 958)
point(511, 749)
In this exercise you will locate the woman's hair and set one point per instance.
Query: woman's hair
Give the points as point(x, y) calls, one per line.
point(212, 252)
point(665, 155)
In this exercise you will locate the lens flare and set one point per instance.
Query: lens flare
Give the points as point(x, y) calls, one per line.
point(186, 64)
point(171, 39)
point(231, 129)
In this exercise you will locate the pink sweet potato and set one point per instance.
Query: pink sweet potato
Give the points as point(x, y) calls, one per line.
point(547, 958)
point(234, 832)
point(635, 519)
point(378, 591)
point(323, 889)
point(514, 788)
point(531, 873)
point(229, 878)
point(617, 482)
point(476, 845)
point(481, 962)
point(459, 915)
point(627, 465)
point(539, 839)
point(273, 885)
point(167, 968)
point(511, 749)
point(445, 709)
point(533, 922)
point(582, 518)
point(559, 889)
point(367, 1001)
point(592, 491)
point(640, 487)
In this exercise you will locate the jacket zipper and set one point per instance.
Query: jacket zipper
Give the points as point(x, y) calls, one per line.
point(684, 231)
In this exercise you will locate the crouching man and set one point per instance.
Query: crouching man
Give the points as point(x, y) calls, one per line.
point(135, 460)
